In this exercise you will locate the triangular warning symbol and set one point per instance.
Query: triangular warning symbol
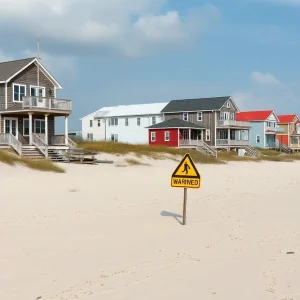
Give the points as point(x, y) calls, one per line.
point(186, 168)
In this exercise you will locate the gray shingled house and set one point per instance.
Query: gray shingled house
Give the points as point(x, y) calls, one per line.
point(216, 123)
point(29, 107)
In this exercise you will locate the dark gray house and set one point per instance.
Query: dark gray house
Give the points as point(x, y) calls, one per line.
point(29, 107)
point(217, 115)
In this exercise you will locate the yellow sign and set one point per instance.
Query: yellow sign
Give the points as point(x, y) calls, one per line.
point(186, 175)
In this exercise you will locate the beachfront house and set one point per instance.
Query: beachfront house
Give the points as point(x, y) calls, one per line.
point(204, 122)
point(123, 123)
point(290, 135)
point(264, 127)
point(29, 108)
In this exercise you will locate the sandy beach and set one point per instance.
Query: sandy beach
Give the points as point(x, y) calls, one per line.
point(107, 232)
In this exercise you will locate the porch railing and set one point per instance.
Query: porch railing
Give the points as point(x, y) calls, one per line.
point(61, 140)
point(10, 140)
point(224, 123)
point(187, 142)
point(46, 103)
point(232, 142)
point(39, 143)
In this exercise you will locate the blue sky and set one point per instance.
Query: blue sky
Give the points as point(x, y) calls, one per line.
point(110, 52)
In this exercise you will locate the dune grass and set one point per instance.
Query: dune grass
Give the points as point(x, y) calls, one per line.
point(163, 152)
point(134, 162)
point(40, 164)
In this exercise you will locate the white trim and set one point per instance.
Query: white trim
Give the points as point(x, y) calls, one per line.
point(165, 136)
point(13, 91)
point(185, 113)
point(34, 127)
point(199, 112)
point(17, 126)
point(24, 126)
point(215, 129)
point(5, 94)
point(178, 139)
point(258, 135)
point(176, 127)
point(38, 87)
point(154, 134)
point(44, 71)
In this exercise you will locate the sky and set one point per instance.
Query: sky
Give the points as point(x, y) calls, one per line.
point(112, 52)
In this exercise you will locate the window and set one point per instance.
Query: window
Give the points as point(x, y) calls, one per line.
point(19, 92)
point(223, 134)
point(39, 126)
point(224, 115)
point(114, 137)
point(91, 123)
point(167, 136)
point(228, 104)
point(199, 116)
point(258, 139)
point(37, 91)
point(207, 135)
point(126, 121)
point(185, 117)
point(138, 121)
point(153, 120)
point(113, 122)
point(99, 123)
point(232, 116)
point(25, 127)
point(90, 136)
point(153, 136)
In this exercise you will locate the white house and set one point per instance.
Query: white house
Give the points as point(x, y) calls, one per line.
point(123, 123)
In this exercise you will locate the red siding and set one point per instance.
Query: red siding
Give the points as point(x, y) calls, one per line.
point(160, 137)
point(283, 138)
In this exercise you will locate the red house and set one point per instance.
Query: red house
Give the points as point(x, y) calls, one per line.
point(176, 133)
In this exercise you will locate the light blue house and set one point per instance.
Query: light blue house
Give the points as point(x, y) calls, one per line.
point(264, 127)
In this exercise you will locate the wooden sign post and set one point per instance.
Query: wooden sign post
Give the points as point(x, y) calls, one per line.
point(186, 176)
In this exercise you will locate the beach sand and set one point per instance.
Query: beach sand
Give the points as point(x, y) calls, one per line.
point(107, 232)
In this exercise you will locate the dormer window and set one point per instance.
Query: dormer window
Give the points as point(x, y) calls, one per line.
point(185, 117)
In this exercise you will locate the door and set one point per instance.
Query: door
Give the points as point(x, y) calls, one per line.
point(11, 126)
point(185, 134)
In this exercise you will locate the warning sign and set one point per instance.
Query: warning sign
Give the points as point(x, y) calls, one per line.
point(186, 175)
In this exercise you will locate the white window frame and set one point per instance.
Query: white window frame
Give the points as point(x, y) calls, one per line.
point(167, 134)
point(126, 122)
point(228, 104)
point(113, 122)
point(38, 87)
point(187, 116)
point(138, 121)
point(13, 92)
point(99, 122)
point(153, 136)
point(42, 120)
point(24, 127)
point(153, 122)
point(114, 139)
point(200, 114)
point(90, 136)
point(207, 135)
point(257, 136)
point(91, 123)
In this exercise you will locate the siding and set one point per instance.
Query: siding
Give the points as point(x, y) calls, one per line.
point(132, 134)
point(29, 77)
point(160, 137)
point(2, 96)
point(257, 128)
point(282, 139)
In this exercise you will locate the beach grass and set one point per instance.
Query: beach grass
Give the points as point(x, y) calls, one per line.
point(12, 159)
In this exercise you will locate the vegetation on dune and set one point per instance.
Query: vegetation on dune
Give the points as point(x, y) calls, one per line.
point(163, 152)
point(9, 158)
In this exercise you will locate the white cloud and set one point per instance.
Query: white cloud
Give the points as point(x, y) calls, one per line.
point(264, 78)
point(127, 26)
point(282, 2)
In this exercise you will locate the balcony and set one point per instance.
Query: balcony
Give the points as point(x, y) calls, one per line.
point(232, 123)
point(274, 130)
point(41, 103)
point(232, 143)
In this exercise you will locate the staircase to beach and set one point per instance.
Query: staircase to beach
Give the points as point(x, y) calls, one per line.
point(252, 151)
point(31, 152)
point(284, 148)
point(206, 149)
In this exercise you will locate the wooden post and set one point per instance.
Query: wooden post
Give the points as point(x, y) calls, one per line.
point(184, 206)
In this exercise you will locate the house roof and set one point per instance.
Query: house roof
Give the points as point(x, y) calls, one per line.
point(189, 105)
point(287, 118)
point(131, 110)
point(175, 123)
point(260, 115)
point(10, 69)
point(99, 113)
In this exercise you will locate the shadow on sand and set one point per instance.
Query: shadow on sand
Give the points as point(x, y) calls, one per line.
point(177, 217)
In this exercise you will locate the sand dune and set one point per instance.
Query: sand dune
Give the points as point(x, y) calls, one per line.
point(106, 232)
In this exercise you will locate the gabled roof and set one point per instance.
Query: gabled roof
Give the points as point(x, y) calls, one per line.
point(261, 115)
point(287, 118)
point(99, 113)
point(191, 105)
point(10, 69)
point(132, 110)
point(175, 123)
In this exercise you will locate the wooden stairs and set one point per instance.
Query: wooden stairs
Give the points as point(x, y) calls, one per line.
point(284, 148)
point(206, 149)
point(252, 151)
point(31, 152)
